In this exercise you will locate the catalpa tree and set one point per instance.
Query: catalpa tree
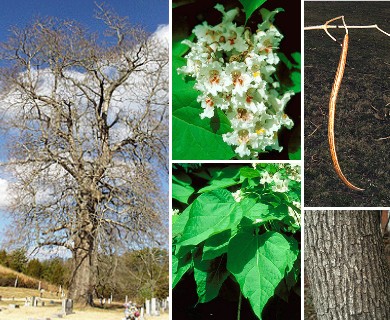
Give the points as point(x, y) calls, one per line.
point(85, 119)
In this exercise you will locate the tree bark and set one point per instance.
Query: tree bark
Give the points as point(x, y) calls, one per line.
point(82, 285)
point(346, 266)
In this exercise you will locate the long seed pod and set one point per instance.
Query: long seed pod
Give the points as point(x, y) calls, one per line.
point(332, 111)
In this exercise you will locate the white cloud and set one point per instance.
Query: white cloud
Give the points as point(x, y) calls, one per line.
point(162, 32)
point(4, 199)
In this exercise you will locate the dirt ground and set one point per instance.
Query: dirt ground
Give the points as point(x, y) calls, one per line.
point(362, 124)
point(24, 313)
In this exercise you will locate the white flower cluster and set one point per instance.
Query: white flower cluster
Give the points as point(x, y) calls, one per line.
point(234, 71)
point(175, 212)
point(280, 181)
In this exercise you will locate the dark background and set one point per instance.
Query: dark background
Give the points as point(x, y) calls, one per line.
point(362, 110)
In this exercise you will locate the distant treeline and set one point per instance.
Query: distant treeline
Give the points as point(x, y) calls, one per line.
point(137, 274)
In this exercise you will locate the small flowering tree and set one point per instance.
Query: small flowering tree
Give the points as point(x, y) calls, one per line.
point(234, 72)
point(244, 225)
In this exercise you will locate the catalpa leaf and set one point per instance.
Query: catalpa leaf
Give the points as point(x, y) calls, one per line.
point(209, 276)
point(251, 6)
point(216, 245)
point(259, 263)
point(224, 178)
point(211, 213)
point(199, 139)
point(249, 172)
point(180, 222)
point(181, 193)
point(180, 267)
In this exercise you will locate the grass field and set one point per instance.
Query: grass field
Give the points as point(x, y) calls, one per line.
point(26, 279)
point(24, 313)
point(53, 306)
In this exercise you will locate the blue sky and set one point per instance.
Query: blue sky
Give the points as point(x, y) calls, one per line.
point(150, 13)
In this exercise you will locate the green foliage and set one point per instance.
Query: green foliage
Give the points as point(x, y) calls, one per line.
point(55, 271)
point(243, 223)
point(294, 68)
point(251, 6)
point(17, 260)
point(34, 269)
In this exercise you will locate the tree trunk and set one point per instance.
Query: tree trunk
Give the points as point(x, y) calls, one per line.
point(82, 286)
point(82, 283)
point(346, 266)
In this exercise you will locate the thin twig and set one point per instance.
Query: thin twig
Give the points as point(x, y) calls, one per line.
point(322, 27)
point(317, 126)
point(384, 138)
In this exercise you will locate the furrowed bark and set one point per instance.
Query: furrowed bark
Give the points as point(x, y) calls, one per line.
point(346, 265)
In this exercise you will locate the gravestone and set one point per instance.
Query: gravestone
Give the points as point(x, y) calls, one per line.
point(67, 306)
point(154, 307)
point(147, 307)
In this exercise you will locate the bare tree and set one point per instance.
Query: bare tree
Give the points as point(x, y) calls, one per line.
point(86, 125)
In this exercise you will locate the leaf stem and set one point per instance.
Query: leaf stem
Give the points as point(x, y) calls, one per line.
point(239, 306)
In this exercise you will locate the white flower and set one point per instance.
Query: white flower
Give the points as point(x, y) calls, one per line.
point(235, 72)
point(265, 177)
point(237, 195)
point(240, 80)
point(212, 79)
point(280, 184)
point(233, 39)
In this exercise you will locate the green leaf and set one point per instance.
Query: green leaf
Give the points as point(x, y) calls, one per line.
point(180, 222)
point(294, 75)
point(181, 178)
point(181, 193)
point(259, 263)
point(209, 276)
point(297, 58)
point(184, 93)
point(216, 245)
point(251, 6)
point(179, 3)
point(211, 213)
point(224, 178)
point(180, 267)
point(259, 212)
point(199, 139)
point(249, 172)
point(295, 78)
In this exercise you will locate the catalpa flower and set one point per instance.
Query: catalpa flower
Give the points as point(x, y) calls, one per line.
point(234, 71)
